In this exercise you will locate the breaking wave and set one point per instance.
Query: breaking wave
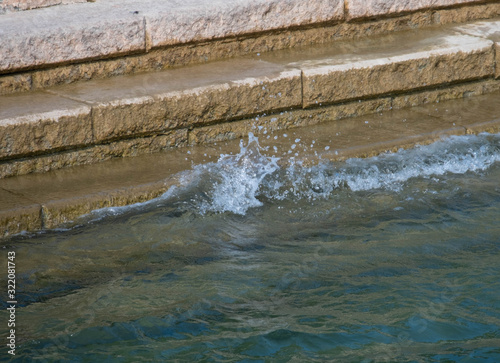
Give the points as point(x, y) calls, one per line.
point(236, 183)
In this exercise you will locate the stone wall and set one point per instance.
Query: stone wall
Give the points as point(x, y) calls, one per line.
point(247, 73)
point(50, 119)
point(112, 37)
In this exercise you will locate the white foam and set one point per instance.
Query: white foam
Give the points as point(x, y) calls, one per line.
point(236, 183)
point(238, 179)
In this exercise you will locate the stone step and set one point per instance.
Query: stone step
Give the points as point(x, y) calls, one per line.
point(49, 200)
point(92, 121)
point(104, 38)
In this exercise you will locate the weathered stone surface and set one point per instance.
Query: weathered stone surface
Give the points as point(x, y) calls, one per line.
point(234, 100)
point(449, 59)
point(497, 60)
point(189, 53)
point(94, 154)
point(61, 34)
point(484, 29)
point(20, 219)
point(159, 108)
point(439, 95)
point(130, 117)
point(15, 83)
point(285, 120)
point(156, 102)
point(492, 127)
point(17, 214)
point(17, 5)
point(488, 30)
point(140, 146)
point(60, 212)
point(68, 193)
point(197, 20)
point(370, 8)
point(466, 13)
point(466, 112)
point(40, 122)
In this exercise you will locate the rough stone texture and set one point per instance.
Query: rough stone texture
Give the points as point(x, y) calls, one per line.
point(57, 35)
point(94, 154)
point(380, 132)
point(197, 106)
point(497, 60)
point(17, 213)
point(465, 14)
point(492, 127)
point(235, 100)
point(369, 8)
point(454, 58)
point(60, 212)
point(67, 194)
point(184, 54)
point(46, 78)
point(156, 111)
point(285, 120)
point(444, 94)
point(38, 122)
point(196, 20)
point(149, 103)
point(19, 219)
point(130, 117)
point(484, 29)
point(64, 34)
point(473, 113)
point(19, 5)
point(488, 30)
point(140, 146)
point(16, 83)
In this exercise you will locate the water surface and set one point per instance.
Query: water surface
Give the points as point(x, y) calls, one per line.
point(392, 258)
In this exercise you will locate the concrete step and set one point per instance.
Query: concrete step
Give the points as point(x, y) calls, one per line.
point(48, 200)
point(87, 122)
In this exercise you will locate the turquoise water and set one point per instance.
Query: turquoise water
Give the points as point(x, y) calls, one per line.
point(387, 259)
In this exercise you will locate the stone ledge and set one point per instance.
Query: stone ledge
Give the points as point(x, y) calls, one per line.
point(194, 53)
point(37, 201)
point(90, 121)
point(40, 122)
point(59, 35)
point(78, 32)
point(196, 20)
point(486, 30)
point(73, 34)
point(450, 58)
point(357, 9)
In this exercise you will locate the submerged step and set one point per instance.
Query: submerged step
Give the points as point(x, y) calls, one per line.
point(48, 200)
point(92, 121)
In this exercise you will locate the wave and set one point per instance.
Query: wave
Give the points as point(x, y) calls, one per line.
point(236, 183)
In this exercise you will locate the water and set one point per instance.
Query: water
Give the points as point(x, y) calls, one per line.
point(392, 258)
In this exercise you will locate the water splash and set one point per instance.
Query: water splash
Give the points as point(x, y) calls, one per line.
point(456, 155)
point(237, 179)
point(236, 183)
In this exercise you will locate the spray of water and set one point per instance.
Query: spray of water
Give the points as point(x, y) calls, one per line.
point(236, 183)
point(238, 179)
